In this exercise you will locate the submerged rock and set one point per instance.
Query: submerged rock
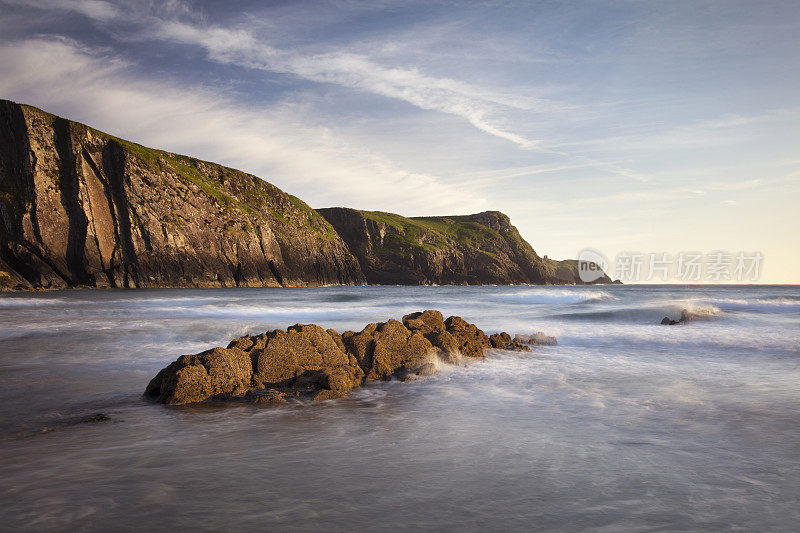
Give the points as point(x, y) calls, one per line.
point(307, 361)
point(688, 316)
point(537, 339)
point(504, 341)
point(95, 418)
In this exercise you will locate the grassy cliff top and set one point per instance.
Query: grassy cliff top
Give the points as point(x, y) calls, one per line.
point(432, 233)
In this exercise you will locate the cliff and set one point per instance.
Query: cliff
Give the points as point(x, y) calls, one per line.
point(79, 207)
point(470, 249)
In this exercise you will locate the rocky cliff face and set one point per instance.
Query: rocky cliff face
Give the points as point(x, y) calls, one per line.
point(471, 249)
point(79, 207)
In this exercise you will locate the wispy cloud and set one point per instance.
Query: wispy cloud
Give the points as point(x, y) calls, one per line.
point(94, 9)
point(269, 142)
point(580, 118)
point(473, 103)
point(726, 129)
point(479, 106)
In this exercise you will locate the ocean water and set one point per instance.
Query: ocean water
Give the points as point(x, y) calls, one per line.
point(626, 425)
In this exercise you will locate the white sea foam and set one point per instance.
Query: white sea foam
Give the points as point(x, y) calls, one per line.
point(579, 428)
point(555, 296)
point(17, 301)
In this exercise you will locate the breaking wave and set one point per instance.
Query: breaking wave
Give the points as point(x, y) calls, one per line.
point(555, 296)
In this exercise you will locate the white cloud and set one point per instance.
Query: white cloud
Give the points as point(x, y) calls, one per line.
point(356, 71)
point(306, 160)
point(480, 106)
point(725, 130)
point(94, 9)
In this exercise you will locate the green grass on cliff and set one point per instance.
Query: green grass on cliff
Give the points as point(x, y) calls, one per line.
point(460, 228)
point(252, 198)
point(432, 233)
point(185, 167)
point(313, 220)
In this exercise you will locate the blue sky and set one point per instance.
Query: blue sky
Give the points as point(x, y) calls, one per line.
point(622, 126)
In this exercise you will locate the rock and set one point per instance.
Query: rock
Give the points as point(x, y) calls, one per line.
point(359, 345)
point(337, 339)
point(471, 341)
point(425, 369)
point(95, 418)
point(449, 347)
point(242, 343)
point(302, 359)
point(323, 395)
point(300, 355)
point(503, 341)
point(537, 339)
point(432, 326)
point(688, 316)
point(426, 322)
point(396, 348)
point(195, 378)
point(265, 397)
point(306, 361)
point(386, 349)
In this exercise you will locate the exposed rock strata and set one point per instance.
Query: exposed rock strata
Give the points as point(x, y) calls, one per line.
point(306, 361)
point(79, 207)
point(471, 249)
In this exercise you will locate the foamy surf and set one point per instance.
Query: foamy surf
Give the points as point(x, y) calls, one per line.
point(554, 296)
point(575, 433)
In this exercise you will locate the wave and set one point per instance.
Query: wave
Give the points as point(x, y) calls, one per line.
point(756, 304)
point(725, 340)
point(32, 302)
point(699, 311)
point(697, 308)
point(554, 296)
point(645, 314)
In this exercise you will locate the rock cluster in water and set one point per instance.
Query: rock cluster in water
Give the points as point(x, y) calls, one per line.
point(688, 316)
point(307, 361)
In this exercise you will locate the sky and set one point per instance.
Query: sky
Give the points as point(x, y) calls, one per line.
point(620, 126)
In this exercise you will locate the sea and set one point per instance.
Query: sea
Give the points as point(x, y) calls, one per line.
point(624, 425)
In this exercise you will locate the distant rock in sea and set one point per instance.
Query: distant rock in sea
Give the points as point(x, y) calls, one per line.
point(688, 316)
